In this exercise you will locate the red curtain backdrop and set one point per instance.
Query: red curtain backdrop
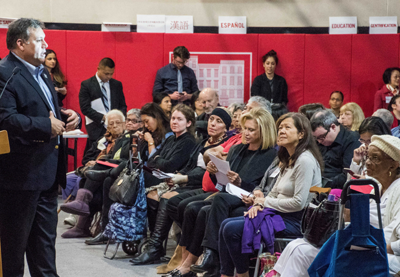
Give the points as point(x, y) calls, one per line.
point(313, 65)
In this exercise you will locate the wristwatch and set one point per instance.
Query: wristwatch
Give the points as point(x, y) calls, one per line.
point(151, 143)
point(259, 204)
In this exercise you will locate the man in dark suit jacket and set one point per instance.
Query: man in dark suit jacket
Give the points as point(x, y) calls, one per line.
point(98, 95)
point(31, 172)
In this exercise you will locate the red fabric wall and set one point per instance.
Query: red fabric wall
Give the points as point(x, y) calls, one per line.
point(313, 65)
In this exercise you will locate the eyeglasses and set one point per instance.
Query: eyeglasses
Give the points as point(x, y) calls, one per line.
point(375, 160)
point(322, 137)
point(134, 121)
point(114, 123)
point(366, 142)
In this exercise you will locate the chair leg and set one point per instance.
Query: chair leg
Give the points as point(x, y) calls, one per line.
point(115, 252)
point(256, 269)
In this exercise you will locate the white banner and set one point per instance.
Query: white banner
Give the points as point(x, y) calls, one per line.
point(115, 27)
point(383, 24)
point(150, 23)
point(342, 25)
point(4, 22)
point(232, 25)
point(179, 24)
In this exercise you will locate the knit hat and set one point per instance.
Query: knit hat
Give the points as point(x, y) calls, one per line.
point(387, 144)
point(226, 118)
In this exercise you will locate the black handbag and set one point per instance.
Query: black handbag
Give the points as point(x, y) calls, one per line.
point(320, 222)
point(126, 187)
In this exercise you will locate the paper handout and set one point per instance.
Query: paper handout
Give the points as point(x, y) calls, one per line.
point(98, 106)
point(223, 168)
point(236, 191)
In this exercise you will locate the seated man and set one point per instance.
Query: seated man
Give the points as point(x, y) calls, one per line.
point(176, 78)
point(210, 98)
point(336, 102)
point(336, 144)
point(386, 116)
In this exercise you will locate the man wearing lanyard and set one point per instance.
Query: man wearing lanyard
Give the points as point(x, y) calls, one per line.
point(31, 172)
point(176, 78)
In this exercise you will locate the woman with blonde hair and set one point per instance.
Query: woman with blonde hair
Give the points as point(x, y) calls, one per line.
point(351, 116)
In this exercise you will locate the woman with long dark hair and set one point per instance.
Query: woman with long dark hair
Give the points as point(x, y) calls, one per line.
point(57, 76)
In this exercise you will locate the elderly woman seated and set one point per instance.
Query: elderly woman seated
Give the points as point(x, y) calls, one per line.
point(114, 146)
point(351, 116)
point(383, 165)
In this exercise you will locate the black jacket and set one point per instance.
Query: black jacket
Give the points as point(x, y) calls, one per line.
point(261, 87)
point(90, 90)
point(36, 160)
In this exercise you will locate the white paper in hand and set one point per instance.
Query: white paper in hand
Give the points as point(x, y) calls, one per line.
point(162, 175)
point(223, 168)
point(98, 106)
point(236, 191)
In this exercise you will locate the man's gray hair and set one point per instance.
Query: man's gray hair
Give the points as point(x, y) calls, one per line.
point(386, 116)
point(19, 29)
point(135, 112)
point(236, 106)
point(324, 119)
point(115, 112)
point(264, 103)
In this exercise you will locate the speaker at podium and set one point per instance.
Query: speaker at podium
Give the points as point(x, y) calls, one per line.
point(4, 143)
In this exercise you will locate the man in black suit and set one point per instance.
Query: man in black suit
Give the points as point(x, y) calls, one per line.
point(98, 95)
point(31, 172)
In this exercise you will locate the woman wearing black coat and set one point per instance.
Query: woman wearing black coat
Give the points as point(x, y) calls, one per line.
point(270, 85)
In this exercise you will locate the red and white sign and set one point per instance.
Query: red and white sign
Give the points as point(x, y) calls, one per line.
point(4, 22)
point(179, 24)
point(383, 24)
point(115, 27)
point(150, 23)
point(229, 73)
point(232, 25)
point(339, 25)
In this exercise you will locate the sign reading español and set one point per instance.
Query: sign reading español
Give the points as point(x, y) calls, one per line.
point(232, 25)
point(342, 25)
point(383, 24)
point(4, 22)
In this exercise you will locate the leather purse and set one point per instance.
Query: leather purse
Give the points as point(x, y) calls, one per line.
point(126, 187)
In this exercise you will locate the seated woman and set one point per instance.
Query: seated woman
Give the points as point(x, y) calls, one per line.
point(351, 116)
point(391, 78)
point(382, 165)
point(187, 179)
point(57, 76)
point(300, 169)
point(248, 163)
point(394, 107)
point(370, 126)
point(108, 147)
point(197, 103)
point(164, 101)
point(236, 110)
point(269, 85)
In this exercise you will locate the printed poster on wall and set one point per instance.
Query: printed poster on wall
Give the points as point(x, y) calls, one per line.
point(4, 22)
point(383, 24)
point(115, 27)
point(339, 25)
point(179, 24)
point(150, 23)
point(232, 25)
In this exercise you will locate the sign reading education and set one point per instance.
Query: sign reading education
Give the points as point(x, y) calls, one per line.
point(150, 23)
point(179, 24)
point(232, 25)
point(339, 25)
point(115, 27)
point(383, 24)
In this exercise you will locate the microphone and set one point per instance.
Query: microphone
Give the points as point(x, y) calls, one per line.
point(16, 70)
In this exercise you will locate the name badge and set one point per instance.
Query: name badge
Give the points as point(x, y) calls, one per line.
point(219, 187)
point(275, 173)
point(388, 98)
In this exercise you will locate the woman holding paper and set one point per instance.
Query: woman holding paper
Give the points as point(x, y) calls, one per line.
point(300, 168)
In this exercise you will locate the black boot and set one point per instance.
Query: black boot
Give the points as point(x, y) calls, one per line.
point(154, 249)
point(210, 264)
point(99, 239)
point(97, 175)
point(152, 209)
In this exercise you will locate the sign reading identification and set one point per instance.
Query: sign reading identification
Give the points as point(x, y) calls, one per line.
point(179, 24)
point(4, 22)
point(232, 25)
point(115, 27)
point(339, 25)
point(150, 23)
point(383, 24)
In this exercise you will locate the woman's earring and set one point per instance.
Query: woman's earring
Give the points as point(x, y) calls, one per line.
point(390, 173)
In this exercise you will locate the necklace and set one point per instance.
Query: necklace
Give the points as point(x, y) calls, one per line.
point(218, 140)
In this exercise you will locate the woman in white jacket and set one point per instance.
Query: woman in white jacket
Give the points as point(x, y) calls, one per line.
point(382, 164)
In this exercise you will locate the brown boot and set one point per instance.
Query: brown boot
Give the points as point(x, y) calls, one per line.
point(80, 206)
point(81, 229)
point(173, 263)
